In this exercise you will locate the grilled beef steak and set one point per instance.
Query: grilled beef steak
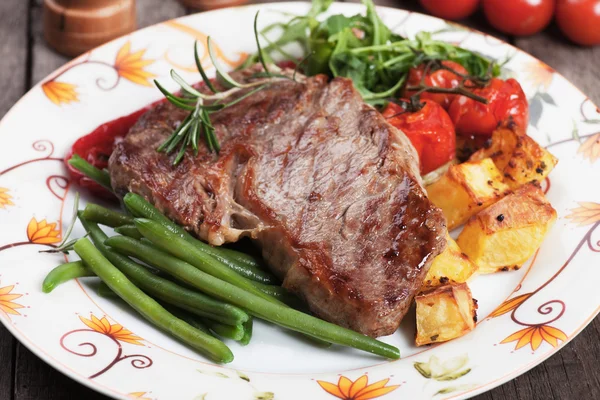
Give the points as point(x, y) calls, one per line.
point(329, 190)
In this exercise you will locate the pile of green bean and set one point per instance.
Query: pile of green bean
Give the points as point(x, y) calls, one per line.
point(195, 292)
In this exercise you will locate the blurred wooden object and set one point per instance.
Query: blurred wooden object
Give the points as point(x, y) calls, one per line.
point(211, 4)
point(72, 27)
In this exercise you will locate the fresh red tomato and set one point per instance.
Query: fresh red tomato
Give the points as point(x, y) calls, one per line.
point(519, 17)
point(450, 9)
point(505, 100)
point(429, 129)
point(579, 20)
point(441, 78)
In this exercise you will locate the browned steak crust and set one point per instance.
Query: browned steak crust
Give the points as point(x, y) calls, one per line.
point(327, 188)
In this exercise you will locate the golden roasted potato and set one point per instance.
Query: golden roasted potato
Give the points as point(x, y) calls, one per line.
point(465, 189)
point(507, 233)
point(451, 266)
point(444, 313)
point(520, 158)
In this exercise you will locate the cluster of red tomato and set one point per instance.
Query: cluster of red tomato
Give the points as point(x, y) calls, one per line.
point(579, 20)
point(432, 129)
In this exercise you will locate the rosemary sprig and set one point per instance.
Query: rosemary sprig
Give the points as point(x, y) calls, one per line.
point(200, 105)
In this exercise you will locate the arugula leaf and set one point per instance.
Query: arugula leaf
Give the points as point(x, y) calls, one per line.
point(381, 33)
point(317, 7)
point(365, 50)
point(335, 24)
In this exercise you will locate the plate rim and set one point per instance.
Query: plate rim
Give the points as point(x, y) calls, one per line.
point(98, 387)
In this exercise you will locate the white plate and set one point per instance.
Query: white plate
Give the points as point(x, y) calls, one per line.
point(538, 308)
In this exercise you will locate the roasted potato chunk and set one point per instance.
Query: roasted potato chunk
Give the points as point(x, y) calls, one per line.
point(506, 234)
point(465, 189)
point(520, 158)
point(444, 313)
point(451, 266)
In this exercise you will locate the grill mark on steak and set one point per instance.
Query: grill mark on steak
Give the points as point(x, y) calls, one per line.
point(318, 179)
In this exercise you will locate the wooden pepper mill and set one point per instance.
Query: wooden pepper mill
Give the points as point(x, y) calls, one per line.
point(73, 27)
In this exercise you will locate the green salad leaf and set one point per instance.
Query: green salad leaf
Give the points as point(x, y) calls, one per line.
point(364, 49)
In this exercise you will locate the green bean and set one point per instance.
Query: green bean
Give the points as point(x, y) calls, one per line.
point(243, 264)
point(193, 320)
point(234, 332)
point(189, 318)
point(148, 307)
point(256, 305)
point(281, 294)
point(141, 208)
point(104, 291)
point(97, 175)
point(248, 327)
point(104, 216)
point(277, 292)
point(174, 244)
point(242, 258)
point(129, 230)
point(63, 273)
point(252, 272)
point(164, 289)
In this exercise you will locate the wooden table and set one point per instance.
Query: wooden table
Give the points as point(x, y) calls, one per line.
point(572, 373)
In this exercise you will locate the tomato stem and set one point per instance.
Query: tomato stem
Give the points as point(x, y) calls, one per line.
point(461, 90)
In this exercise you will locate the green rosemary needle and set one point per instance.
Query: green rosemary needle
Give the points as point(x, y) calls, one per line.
point(198, 122)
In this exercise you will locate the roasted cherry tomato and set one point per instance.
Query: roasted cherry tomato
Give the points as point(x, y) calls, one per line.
point(441, 78)
point(450, 9)
point(505, 100)
point(579, 20)
point(429, 129)
point(519, 17)
point(287, 64)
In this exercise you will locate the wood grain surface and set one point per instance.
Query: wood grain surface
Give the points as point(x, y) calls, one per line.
point(573, 373)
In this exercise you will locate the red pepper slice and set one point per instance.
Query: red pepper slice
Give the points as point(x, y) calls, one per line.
point(97, 146)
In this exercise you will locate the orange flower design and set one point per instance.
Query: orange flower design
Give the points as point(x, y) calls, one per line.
point(357, 390)
point(131, 65)
point(587, 213)
point(590, 149)
point(60, 92)
point(5, 198)
point(539, 74)
point(510, 305)
point(205, 59)
point(138, 395)
point(6, 300)
point(535, 335)
point(114, 331)
point(42, 232)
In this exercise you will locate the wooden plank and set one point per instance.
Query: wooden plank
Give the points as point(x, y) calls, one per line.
point(36, 380)
point(13, 52)
point(44, 59)
point(150, 12)
point(14, 75)
point(578, 64)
